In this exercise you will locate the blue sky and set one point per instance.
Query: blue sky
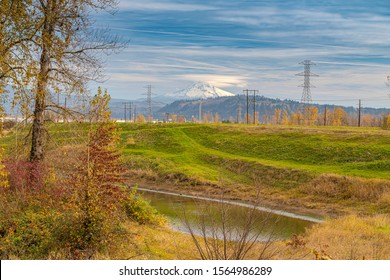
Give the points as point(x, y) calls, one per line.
point(240, 44)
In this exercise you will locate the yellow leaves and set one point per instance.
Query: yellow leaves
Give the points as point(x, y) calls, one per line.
point(311, 114)
point(99, 111)
point(3, 173)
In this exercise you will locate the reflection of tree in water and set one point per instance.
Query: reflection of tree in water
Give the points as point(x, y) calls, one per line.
point(222, 232)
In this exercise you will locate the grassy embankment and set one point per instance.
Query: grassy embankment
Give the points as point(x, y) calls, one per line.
point(326, 171)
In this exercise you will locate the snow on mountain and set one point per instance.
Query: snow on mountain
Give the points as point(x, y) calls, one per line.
point(201, 90)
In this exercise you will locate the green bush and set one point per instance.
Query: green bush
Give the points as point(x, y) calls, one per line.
point(28, 235)
point(140, 210)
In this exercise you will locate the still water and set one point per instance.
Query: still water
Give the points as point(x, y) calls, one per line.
point(199, 215)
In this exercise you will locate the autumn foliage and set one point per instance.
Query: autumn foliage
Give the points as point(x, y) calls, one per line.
point(73, 210)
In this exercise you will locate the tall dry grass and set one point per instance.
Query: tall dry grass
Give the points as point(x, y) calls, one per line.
point(347, 188)
point(347, 238)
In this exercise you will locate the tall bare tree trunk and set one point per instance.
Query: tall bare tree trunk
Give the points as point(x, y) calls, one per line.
point(38, 129)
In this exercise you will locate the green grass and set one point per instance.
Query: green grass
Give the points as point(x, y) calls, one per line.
point(211, 151)
point(334, 170)
point(201, 149)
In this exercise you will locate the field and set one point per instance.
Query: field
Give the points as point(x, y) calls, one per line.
point(320, 170)
point(340, 174)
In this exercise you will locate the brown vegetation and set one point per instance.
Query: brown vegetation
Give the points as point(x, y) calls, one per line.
point(346, 238)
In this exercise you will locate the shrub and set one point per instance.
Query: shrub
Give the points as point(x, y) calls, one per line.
point(140, 210)
point(29, 234)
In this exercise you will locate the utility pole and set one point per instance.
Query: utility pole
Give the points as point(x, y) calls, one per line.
point(247, 105)
point(254, 105)
point(125, 110)
point(130, 110)
point(247, 91)
point(135, 113)
point(360, 112)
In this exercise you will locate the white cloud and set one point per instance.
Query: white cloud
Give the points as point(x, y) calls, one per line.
point(359, 29)
point(217, 80)
point(155, 5)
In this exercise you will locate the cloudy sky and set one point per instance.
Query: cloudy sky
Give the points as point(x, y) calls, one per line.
point(253, 44)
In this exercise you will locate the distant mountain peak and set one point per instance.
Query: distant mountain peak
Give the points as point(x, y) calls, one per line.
point(201, 90)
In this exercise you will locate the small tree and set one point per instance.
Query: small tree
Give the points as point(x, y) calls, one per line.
point(217, 118)
point(386, 122)
point(96, 184)
point(141, 118)
point(277, 113)
point(311, 114)
point(285, 118)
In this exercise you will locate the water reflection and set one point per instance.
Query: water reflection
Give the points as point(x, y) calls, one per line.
point(222, 220)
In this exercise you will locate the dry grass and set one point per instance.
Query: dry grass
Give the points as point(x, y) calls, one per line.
point(346, 238)
point(349, 194)
point(341, 187)
point(146, 242)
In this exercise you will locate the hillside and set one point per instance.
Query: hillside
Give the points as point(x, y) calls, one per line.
point(320, 170)
point(331, 172)
point(227, 108)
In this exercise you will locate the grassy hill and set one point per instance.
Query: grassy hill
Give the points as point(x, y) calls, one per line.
point(320, 170)
point(364, 153)
point(334, 166)
point(324, 171)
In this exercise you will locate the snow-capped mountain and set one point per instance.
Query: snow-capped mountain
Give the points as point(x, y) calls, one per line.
point(200, 90)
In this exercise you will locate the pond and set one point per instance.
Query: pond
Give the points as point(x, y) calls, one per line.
point(203, 215)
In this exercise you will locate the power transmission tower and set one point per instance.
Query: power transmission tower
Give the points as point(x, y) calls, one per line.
point(127, 106)
point(247, 105)
point(166, 117)
point(149, 103)
point(306, 94)
point(124, 110)
point(131, 111)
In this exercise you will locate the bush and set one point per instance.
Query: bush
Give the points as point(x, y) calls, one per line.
point(139, 210)
point(29, 235)
point(386, 122)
